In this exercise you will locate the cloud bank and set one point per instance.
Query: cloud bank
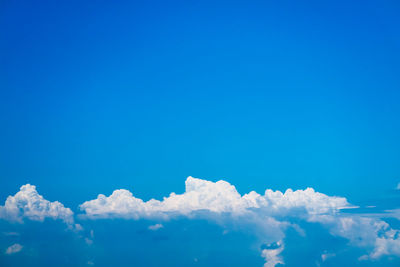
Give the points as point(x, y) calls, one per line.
point(219, 197)
point(270, 214)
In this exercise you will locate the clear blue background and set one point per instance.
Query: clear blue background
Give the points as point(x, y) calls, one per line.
point(96, 96)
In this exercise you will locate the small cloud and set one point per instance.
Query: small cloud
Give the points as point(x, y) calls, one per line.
point(363, 258)
point(78, 227)
point(398, 186)
point(14, 249)
point(90, 263)
point(326, 256)
point(155, 227)
point(88, 241)
point(271, 253)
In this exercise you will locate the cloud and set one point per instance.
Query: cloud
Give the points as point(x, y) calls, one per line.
point(395, 213)
point(326, 255)
point(271, 254)
point(155, 227)
point(88, 241)
point(14, 249)
point(364, 231)
point(387, 245)
point(27, 203)
point(398, 186)
point(219, 197)
point(268, 215)
point(261, 213)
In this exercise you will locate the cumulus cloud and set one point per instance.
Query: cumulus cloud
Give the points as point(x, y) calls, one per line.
point(269, 213)
point(27, 203)
point(14, 249)
point(387, 245)
point(363, 231)
point(262, 212)
point(398, 186)
point(219, 197)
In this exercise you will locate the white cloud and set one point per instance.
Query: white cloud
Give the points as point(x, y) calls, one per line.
point(219, 197)
point(398, 186)
point(155, 227)
point(266, 214)
point(327, 255)
point(78, 227)
point(388, 244)
point(88, 241)
point(261, 213)
point(14, 249)
point(363, 231)
point(27, 203)
point(272, 255)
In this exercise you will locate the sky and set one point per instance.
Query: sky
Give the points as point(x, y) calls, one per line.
point(139, 95)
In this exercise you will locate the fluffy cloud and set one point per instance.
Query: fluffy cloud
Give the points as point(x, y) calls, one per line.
point(219, 197)
point(363, 231)
point(27, 203)
point(261, 213)
point(269, 214)
point(398, 186)
point(14, 249)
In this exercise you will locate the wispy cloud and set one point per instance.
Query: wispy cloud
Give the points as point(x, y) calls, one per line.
point(155, 227)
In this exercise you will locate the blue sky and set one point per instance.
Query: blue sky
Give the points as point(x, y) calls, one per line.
point(139, 95)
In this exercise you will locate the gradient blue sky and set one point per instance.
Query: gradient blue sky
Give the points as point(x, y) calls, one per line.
point(96, 96)
point(140, 94)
